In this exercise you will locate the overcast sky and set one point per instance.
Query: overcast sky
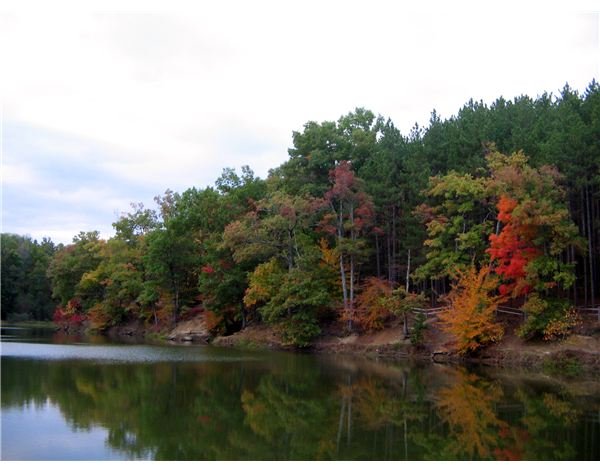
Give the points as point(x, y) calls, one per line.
point(106, 103)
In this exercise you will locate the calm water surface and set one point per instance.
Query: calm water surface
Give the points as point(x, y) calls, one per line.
point(88, 399)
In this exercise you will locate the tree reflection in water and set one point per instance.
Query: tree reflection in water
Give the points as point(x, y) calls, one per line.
point(306, 408)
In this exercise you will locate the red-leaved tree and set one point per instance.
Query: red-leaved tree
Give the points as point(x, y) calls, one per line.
point(349, 217)
point(512, 249)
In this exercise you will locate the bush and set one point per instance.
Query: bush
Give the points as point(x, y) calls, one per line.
point(70, 315)
point(99, 318)
point(300, 329)
point(374, 304)
point(416, 337)
point(561, 328)
point(548, 319)
point(403, 304)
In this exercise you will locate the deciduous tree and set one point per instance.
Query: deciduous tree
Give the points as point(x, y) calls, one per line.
point(349, 217)
point(472, 305)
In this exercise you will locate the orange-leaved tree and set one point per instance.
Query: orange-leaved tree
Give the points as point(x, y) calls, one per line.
point(374, 304)
point(473, 302)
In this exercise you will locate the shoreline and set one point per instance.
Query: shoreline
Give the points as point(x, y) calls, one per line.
point(572, 354)
point(576, 353)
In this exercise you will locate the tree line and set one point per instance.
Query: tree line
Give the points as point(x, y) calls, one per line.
point(359, 224)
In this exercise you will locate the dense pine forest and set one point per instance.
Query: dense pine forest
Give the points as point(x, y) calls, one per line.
point(499, 204)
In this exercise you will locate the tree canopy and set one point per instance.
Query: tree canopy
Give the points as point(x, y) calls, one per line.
point(512, 188)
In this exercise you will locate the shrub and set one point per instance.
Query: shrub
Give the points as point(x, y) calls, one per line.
point(374, 304)
point(548, 319)
point(561, 328)
point(416, 337)
point(403, 304)
point(99, 317)
point(473, 302)
point(300, 329)
point(70, 315)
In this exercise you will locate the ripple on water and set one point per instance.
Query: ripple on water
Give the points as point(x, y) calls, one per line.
point(119, 354)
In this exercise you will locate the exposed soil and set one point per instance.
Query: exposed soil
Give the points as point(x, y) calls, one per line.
point(582, 348)
point(390, 343)
point(254, 336)
point(192, 330)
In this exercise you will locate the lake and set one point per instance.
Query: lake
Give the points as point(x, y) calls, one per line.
point(79, 398)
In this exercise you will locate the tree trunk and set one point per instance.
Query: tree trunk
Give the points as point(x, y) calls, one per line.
point(175, 290)
point(351, 297)
point(344, 288)
point(590, 246)
point(595, 206)
point(389, 252)
point(340, 232)
point(408, 271)
point(394, 254)
point(176, 304)
point(583, 233)
point(432, 292)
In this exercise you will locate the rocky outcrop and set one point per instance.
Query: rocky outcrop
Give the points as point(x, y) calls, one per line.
point(190, 331)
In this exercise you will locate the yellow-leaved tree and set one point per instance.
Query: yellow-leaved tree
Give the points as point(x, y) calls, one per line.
point(473, 302)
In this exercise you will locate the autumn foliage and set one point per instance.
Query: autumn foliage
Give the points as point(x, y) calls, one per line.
point(513, 249)
point(470, 318)
point(349, 217)
point(212, 320)
point(374, 304)
point(70, 315)
point(354, 203)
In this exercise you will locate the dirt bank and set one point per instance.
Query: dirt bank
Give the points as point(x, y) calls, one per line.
point(512, 351)
point(255, 336)
point(192, 330)
point(577, 350)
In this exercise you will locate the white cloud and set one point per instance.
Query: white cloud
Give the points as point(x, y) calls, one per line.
point(19, 175)
point(169, 93)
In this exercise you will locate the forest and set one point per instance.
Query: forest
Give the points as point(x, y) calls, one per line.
point(496, 205)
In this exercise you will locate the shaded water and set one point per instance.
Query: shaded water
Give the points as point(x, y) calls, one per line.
point(93, 400)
